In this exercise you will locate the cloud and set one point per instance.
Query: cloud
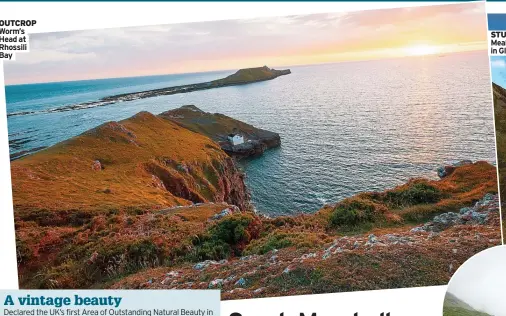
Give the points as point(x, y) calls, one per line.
point(160, 49)
point(498, 63)
point(43, 56)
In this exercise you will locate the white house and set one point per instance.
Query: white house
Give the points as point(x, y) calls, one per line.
point(235, 139)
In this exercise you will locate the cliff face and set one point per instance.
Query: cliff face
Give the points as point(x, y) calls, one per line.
point(142, 162)
point(218, 126)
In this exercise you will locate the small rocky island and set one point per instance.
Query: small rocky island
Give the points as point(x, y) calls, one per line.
point(242, 76)
point(236, 138)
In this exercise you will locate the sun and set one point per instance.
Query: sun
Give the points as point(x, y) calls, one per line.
point(421, 50)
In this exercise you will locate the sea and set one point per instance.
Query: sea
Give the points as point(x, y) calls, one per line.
point(345, 127)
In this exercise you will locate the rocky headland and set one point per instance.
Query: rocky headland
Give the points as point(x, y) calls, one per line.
point(241, 77)
point(218, 127)
point(155, 202)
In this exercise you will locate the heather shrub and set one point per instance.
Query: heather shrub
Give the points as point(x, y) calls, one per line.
point(226, 238)
point(414, 194)
point(353, 212)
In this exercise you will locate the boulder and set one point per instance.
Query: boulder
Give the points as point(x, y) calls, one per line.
point(445, 171)
point(223, 213)
point(216, 283)
point(241, 282)
point(96, 166)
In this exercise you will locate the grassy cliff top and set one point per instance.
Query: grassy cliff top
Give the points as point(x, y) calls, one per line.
point(214, 125)
point(115, 165)
point(251, 75)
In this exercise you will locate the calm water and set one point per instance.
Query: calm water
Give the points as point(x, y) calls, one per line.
point(345, 128)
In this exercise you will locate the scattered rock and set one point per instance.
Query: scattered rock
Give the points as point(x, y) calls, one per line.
point(205, 264)
point(240, 282)
point(259, 290)
point(173, 274)
point(420, 229)
point(307, 256)
point(371, 240)
point(222, 214)
point(465, 210)
point(182, 167)
point(433, 235)
point(157, 182)
point(96, 166)
point(476, 215)
point(216, 283)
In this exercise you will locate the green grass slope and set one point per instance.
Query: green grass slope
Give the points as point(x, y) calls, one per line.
point(499, 94)
point(251, 75)
point(453, 306)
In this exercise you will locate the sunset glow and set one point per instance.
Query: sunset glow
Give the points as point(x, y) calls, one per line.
point(421, 50)
point(235, 44)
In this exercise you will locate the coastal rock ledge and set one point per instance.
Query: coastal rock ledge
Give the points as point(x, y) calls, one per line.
point(251, 141)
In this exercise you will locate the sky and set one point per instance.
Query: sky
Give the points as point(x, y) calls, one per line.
point(496, 21)
point(498, 70)
point(235, 44)
point(480, 281)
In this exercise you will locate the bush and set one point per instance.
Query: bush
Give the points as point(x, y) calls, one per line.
point(417, 193)
point(271, 242)
point(228, 237)
point(279, 240)
point(352, 213)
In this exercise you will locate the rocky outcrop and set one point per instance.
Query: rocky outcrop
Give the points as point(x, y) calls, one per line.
point(478, 214)
point(218, 127)
point(446, 170)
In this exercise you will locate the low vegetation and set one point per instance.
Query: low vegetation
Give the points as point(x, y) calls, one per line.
point(131, 197)
point(499, 96)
